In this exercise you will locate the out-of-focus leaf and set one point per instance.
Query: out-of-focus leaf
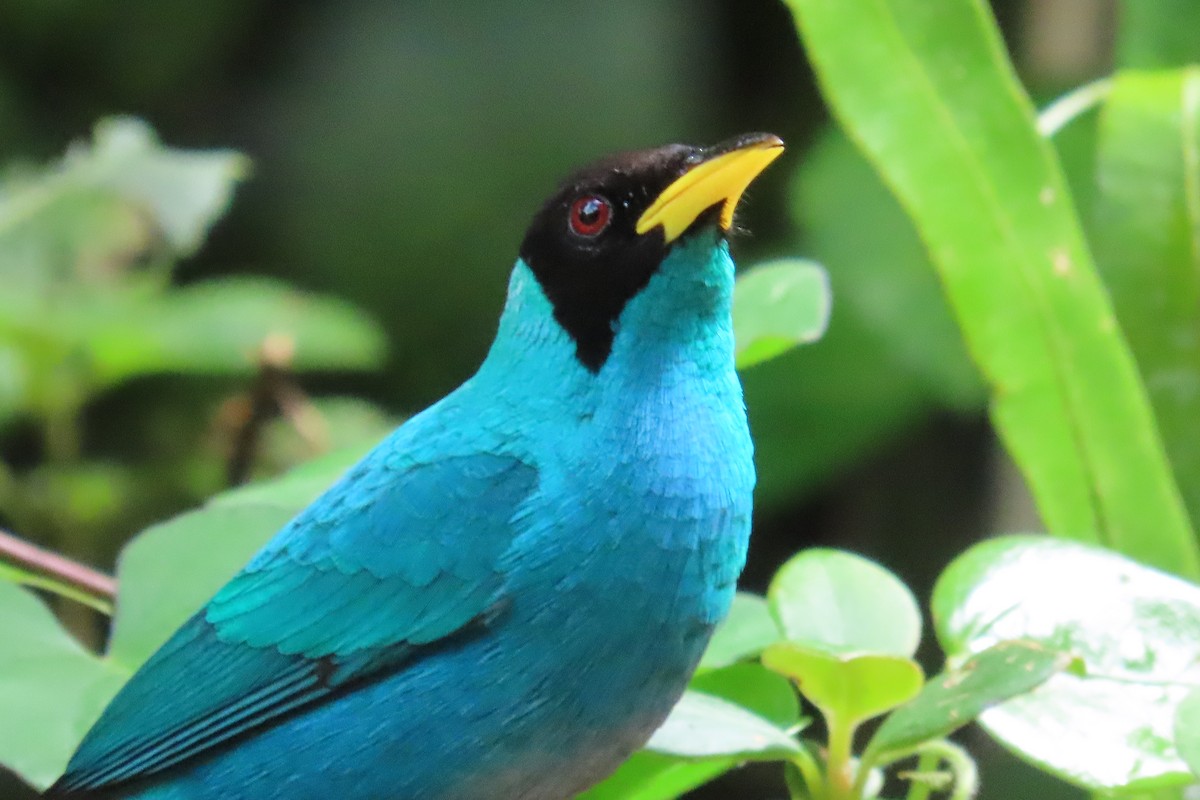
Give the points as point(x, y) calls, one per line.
point(842, 601)
point(999, 224)
point(703, 726)
point(52, 690)
point(653, 776)
point(221, 326)
point(326, 424)
point(1134, 628)
point(849, 688)
point(747, 630)
point(892, 353)
point(956, 697)
point(1158, 34)
point(104, 205)
point(1147, 231)
point(777, 306)
point(880, 272)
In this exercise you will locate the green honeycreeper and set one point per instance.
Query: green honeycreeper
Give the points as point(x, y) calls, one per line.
point(506, 597)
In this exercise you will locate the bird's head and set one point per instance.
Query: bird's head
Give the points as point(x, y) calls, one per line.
point(633, 247)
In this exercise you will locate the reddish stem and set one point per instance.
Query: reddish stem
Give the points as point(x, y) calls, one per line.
point(44, 562)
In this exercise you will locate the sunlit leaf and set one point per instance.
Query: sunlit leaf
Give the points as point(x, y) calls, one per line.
point(849, 688)
point(1000, 226)
point(777, 306)
point(842, 601)
point(704, 726)
point(744, 633)
point(1134, 628)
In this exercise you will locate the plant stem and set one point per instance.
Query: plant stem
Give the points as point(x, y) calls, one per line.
point(58, 568)
point(920, 790)
point(1056, 116)
point(966, 774)
point(811, 772)
point(838, 766)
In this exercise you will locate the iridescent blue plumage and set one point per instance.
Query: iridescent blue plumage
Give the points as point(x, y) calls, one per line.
point(502, 600)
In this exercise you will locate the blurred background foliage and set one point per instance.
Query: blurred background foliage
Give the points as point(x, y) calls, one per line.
point(396, 149)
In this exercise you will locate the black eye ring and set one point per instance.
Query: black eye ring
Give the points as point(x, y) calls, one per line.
point(590, 215)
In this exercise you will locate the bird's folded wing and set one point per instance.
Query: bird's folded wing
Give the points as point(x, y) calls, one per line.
point(388, 565)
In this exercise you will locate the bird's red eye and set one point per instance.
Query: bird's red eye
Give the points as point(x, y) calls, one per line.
point(590, 215)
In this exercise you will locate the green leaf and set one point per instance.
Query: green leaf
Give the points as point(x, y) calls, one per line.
point(52, 689)
point(704, 726)
point(755, 688)
point(848, 688)
point(1146, 224)
point(1135, 629)
point(952, 132)
point(102, 205)
point(1158, 34)
point(1187, 731)
point(957, 696)
point(842, 601)
point(743, 634)
point(220, 327)
point(777, 306)
point(651, 776)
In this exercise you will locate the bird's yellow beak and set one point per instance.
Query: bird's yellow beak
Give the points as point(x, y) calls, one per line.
point(720, 178)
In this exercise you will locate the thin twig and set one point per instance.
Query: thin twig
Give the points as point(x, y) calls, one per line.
point(44, 562)
point(273, 393)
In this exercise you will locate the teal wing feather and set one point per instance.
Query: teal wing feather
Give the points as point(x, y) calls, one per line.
point(390, 563)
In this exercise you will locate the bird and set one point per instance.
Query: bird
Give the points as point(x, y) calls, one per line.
point(507, 596)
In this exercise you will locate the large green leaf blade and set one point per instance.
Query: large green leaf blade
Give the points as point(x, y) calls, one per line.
point(52, 690)
point(1146, 223)
point(953, 133)
point(1134, 628)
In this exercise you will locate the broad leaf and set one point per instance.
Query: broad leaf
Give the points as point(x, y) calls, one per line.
point(848, 688)
point(1134, 628)
point(842, 601)
point(53, 690)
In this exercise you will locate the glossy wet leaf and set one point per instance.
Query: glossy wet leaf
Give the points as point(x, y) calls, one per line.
point(842, 601)
point(1134, 628)
point(743, 634)
point(52, 690)
point(1146, 224)
point(1001, 228)
point(777, 306)
point(957, 696)
point(1187, 731)
point(849, 688)
point(755, 688)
